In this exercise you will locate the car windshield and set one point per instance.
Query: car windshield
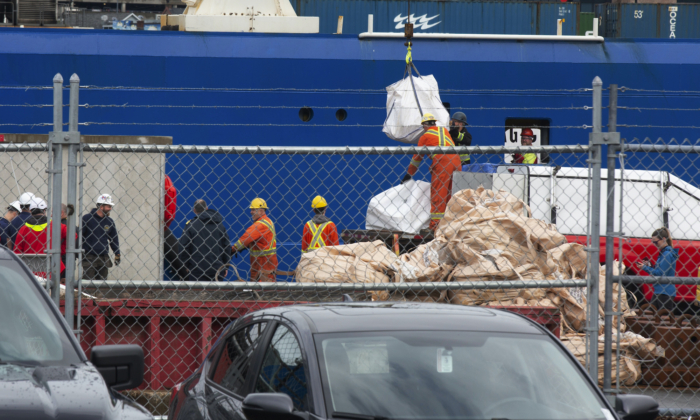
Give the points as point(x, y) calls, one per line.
point(453, 375)
point(29, 331)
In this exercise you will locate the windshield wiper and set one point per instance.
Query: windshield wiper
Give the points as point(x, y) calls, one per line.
point(19, 363)
point(355, 416)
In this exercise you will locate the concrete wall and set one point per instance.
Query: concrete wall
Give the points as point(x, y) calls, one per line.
point(135, 182)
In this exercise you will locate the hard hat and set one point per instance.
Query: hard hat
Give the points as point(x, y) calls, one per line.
point(15, 206)
point(26, 199)
point(104, 199)
point(318, 202)
point(37, 203)
point(459, 116)
point(258, 203)
point(428, 117)
point(527, 132)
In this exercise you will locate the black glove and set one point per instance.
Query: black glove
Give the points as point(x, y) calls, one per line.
point(234, 252)
point(406, 178)
point(117, 259)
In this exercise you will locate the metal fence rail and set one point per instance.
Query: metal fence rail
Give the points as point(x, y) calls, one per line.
point(524, 238)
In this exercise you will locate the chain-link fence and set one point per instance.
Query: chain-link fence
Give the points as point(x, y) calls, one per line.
point(661, 263)
point(170, 250)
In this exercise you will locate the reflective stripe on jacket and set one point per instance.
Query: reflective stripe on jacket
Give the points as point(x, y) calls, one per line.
point(435, 136)
point(260, 238)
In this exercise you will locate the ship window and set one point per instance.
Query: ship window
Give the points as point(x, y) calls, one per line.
point(447, 107)
point(306, 114)
point(341, 115)
point(540, 128)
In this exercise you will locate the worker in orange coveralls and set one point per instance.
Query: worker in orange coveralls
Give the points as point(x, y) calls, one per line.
point(440, 170)
point(319, 231)
point(260, 237)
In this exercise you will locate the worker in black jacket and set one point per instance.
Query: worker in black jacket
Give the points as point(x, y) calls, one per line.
point(205, 245)
point(460, 135)
point(99, 235)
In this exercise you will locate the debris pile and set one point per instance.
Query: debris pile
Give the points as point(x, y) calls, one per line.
point(488, 235)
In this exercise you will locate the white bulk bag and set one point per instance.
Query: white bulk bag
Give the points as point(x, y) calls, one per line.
point(403, 114)
point(405, 208)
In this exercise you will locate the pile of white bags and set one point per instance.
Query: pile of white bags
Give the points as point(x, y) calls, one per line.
point(403, 114)
point(405, 208)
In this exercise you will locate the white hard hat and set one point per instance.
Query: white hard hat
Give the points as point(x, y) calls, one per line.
point(37, 203)
point(15, 206)
point(104, 199)
point(26, 198)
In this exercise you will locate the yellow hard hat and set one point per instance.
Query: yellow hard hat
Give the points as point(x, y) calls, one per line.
point(428, 117)
point(318, 202)
point(258, 203)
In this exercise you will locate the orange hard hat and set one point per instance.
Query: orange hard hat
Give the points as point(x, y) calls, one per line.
point(527, 132)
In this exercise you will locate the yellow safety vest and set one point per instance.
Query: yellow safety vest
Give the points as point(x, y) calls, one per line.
point(316, 231)
point(529, 158)
point(272, 249)
point(36, 228)
point(464, 157)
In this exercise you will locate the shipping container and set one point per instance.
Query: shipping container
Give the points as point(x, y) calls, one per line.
point(474, 17)
point(585, 22)
point(670, 21)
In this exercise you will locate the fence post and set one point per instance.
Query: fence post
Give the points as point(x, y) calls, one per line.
point(594, 249)
point(72, 138)
point(54, 250)
point(610, 234)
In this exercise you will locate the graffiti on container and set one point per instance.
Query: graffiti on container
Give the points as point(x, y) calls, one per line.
point(420, 22)
point(673, 12)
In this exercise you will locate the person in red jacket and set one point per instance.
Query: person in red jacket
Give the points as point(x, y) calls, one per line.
point(174, 267)
point(31, 238)
point(440, 170)
point(319, 231)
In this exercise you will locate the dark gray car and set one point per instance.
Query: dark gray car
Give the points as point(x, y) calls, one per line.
point(44, 373)
point(398, 361)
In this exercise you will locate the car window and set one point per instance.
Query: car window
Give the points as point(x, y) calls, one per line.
point(283, 368)
point(231, 368)
point(454, 375)
point(30, 332)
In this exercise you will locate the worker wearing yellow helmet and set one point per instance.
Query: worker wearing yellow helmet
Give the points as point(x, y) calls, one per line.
point(441, 169)
point(261, 239)
point(319, 231)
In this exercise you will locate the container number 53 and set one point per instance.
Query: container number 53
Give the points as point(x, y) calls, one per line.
point(638, 14)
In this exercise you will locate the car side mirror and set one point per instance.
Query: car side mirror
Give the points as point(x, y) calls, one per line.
point(636, 407)
point(270, 406)
point(121, 365)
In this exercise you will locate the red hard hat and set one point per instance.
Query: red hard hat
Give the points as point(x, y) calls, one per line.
point(527, 132)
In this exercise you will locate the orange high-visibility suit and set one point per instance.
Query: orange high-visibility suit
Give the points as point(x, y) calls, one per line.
point(440, 172)
point(261, 239)
point(317, 235)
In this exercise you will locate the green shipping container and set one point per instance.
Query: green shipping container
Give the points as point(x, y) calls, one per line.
point(585, 22)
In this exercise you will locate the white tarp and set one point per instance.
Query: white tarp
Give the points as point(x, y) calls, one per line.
point(402, 113)
point(404, 208)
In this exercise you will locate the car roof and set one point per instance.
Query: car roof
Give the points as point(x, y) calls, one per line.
point(407, 316)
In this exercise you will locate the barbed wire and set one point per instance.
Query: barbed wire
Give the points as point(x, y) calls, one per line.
point(658, 126)
point(325, 90)
point(584, 126)
point(127, 105)
point(630, 108)
point(625, 89)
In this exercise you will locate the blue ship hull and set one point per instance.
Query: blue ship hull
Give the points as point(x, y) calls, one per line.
point(279, 74)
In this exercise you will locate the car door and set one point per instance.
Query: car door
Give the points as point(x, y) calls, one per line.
point(283, 368)
point(228, 377)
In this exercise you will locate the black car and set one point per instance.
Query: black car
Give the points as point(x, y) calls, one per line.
point(379, 361)
point(44, 373)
